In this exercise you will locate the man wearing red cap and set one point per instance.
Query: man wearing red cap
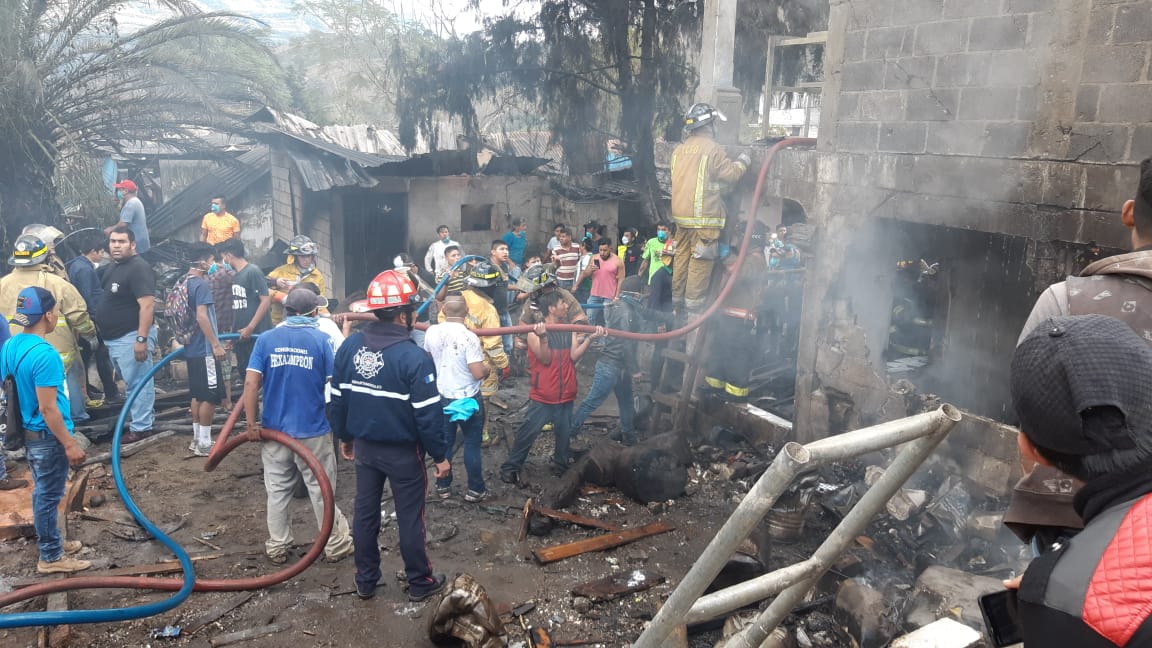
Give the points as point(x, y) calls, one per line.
point(132, 214)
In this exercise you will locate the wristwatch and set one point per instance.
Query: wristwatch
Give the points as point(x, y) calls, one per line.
point(141, 339)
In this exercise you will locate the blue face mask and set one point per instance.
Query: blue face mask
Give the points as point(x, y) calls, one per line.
point(215, 208)
point(216, 267)
point(662, 236)
point(120, 194)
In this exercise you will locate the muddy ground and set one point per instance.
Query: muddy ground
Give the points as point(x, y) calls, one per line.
point(226, 509)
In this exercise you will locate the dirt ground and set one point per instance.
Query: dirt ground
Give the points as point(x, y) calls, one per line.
point(226, 508)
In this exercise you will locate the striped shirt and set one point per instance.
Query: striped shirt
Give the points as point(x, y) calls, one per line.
point(566, 259)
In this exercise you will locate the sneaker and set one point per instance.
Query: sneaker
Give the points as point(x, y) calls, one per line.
point(278, 558)
point(365, 592)
point(341, 554)
point(202, 450)
point(473, 497)
point(444, 492)
point(9, 483)
point(65, 565)
point(419, 596)
point(73, 546)
point(192, 445)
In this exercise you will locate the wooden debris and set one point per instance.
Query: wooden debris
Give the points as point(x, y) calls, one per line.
point(214, 614)
point(617, 585)
point(250, 633)
point(74, 496)
point(599, 543)
point(499, 403)
point(166, 567)
point(206, 543)
point(130, 449)
point(576, 519)
point(525, 516)
point(539, 638)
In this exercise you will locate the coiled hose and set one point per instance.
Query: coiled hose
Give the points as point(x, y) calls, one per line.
point(189, 583)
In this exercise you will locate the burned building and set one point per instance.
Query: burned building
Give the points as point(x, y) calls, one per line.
point(969, 154)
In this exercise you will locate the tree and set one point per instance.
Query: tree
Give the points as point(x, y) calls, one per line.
point(350, 73)
point(597, 69)
point(75, 83)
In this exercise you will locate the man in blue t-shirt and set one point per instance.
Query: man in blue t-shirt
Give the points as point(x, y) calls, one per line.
point(517, 240)
point(43, 394)
point(293, 362)
point(203, 351)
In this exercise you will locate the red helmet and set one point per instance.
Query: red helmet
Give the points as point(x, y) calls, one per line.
point(390, 289)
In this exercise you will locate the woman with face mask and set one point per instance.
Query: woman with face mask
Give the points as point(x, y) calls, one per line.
point(630, 251)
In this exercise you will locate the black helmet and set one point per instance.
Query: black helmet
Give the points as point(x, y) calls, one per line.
point(539, 276)
point(28, 251)
point(483, 275)
point(702, 114)
point(301, 245)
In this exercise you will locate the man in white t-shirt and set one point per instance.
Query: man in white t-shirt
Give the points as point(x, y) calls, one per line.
point(460, 369)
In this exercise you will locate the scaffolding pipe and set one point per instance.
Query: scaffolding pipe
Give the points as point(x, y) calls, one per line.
point(903, 466)
point(792, 460)
point(721, 602)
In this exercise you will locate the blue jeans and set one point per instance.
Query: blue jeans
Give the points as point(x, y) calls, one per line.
point(609, 378)
point(77, 395)
point(596, 315)
point(538, 415)
point(472, 431)
point(123, 356)
point(506, 320)
point(49, 467)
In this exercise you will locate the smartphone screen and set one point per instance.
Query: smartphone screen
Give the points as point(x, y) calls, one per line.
point(1002, 617)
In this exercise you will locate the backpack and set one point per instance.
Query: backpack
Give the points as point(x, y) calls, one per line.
point(177, 312)
point(12, 421)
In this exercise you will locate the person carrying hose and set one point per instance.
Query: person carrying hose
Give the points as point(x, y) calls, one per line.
point(701, 171)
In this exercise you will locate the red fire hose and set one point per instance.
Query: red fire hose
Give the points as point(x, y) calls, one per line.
point(224, 445)
point(220, 449)
point(691, 325)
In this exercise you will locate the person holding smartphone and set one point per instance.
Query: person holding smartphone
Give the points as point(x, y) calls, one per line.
point(1084, 408)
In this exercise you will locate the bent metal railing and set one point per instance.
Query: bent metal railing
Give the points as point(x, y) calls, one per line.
point(922, 433)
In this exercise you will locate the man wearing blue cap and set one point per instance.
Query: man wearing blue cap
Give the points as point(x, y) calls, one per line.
point(42, 391)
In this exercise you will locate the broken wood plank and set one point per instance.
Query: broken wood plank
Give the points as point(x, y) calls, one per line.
point(214, 614)
point(74, 496)
point(166, 567)
point(599, 543)
point(576, 519)
point(130, 449)
point(617, 585)
point(498, 403)
point(525, 516)
point(250, 633)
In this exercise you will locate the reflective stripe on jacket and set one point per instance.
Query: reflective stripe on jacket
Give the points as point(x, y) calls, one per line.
point(701, 170)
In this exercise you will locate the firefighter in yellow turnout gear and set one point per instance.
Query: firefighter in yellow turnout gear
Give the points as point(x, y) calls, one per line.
point(300, 267)
point(736, 337)
point(701, 172)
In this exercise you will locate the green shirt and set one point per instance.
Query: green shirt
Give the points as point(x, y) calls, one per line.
point(653, 250)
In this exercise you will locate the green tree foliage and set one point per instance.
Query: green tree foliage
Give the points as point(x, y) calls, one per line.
point(595, 69)
point(74, 82)
point(350, 73)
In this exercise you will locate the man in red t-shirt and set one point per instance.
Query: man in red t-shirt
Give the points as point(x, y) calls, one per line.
point(607, 272)
point(552, 362)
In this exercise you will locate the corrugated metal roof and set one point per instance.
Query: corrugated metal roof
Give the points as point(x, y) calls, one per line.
point(324, 172)
point(365, 138)
point(529, 144)
point(230, 179)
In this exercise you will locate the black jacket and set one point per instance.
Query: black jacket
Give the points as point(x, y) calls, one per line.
point(384, 390)
point(1096, 589)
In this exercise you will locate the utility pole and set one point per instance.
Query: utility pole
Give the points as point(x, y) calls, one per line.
point(716, 52)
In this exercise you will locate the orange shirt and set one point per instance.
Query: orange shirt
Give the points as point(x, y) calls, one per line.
point(220, 227)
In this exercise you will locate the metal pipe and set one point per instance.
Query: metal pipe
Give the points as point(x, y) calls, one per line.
point(853, 524)
point(793, 459)
point(721, 602)
point(884, 435)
